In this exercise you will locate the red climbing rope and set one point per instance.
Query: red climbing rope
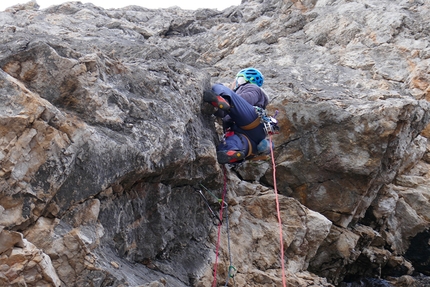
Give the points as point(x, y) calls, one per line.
point(284, 284)
point(224, 192)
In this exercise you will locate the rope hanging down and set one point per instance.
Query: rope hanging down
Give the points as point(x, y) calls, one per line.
point(284, 284)
point(224, 192)
point(218, 221)
point(281, 241)
point(231, 269)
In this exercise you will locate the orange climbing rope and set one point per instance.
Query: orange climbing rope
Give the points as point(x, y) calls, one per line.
point(284, 284)
point(220, 223)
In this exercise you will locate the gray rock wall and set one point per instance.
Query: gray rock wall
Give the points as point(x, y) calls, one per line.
point(105, 140)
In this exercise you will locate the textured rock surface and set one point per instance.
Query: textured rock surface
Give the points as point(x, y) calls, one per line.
point(104, 141)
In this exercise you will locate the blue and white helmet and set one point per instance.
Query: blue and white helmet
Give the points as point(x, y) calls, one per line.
point(251, 75)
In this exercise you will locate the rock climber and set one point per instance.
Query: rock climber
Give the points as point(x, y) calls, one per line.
point(242, 126)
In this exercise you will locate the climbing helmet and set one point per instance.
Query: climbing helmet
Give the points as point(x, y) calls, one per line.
point(251, 75)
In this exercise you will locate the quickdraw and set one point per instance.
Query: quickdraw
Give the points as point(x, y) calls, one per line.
point(270, 123)
point(215, 218)
point(231, 272)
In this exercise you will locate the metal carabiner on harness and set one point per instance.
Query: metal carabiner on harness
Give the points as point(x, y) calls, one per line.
point(271, 126)
point(270, 123)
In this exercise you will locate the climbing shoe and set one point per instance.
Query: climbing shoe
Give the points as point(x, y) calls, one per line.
point(216, 101)
point(230, 156)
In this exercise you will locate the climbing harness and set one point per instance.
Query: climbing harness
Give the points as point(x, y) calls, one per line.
point(270, 123)
point(270, 127)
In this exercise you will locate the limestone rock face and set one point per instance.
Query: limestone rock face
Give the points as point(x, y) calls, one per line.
point(105, 144)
